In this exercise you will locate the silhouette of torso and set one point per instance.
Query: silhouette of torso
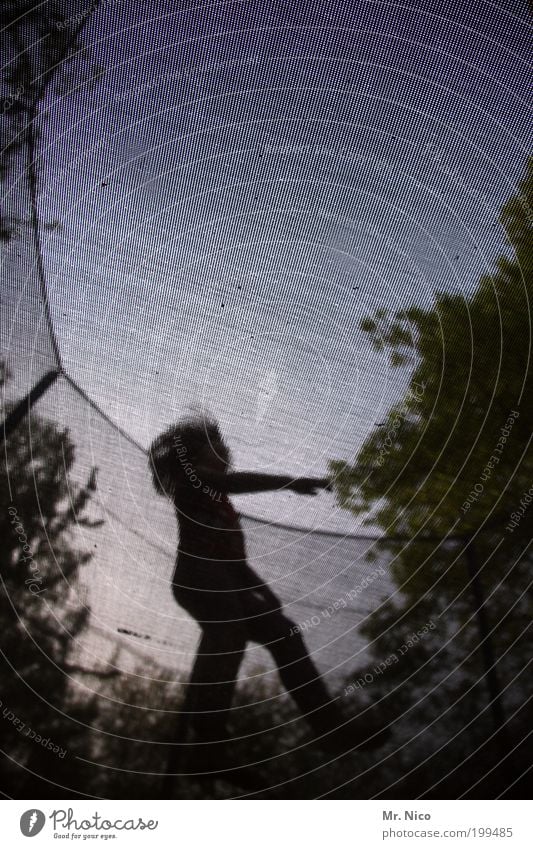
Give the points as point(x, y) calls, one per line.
point(211, 563)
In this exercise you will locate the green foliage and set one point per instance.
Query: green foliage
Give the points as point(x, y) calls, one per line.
point(471, 371)
point(453, 462)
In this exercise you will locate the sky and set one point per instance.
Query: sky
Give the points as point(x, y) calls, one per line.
point(246, 181)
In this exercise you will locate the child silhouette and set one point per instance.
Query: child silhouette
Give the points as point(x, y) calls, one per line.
point(213, 581)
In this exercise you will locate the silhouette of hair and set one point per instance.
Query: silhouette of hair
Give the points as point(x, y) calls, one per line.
point(178, 446)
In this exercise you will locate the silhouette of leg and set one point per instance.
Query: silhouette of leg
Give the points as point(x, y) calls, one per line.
point(210, 692)
point(302, 680)
point(297, 671)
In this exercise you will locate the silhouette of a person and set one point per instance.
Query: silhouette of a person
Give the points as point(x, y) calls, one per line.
point(212, 580)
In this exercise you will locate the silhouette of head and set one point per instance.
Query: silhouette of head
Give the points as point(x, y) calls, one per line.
point(189, 443)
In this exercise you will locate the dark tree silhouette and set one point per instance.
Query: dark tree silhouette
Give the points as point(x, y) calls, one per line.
point(41, 609)
point(43, 54)
point(453, 462)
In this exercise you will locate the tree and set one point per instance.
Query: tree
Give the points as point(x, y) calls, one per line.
point(451, 475)
point(41, 611)
point(44, 55)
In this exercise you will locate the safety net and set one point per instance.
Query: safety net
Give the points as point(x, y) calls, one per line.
point(216, 199)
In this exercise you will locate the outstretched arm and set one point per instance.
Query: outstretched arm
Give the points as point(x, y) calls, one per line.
point(241, 482)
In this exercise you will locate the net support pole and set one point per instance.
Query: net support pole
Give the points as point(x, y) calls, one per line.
point(24, 406)
point(485, 643)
